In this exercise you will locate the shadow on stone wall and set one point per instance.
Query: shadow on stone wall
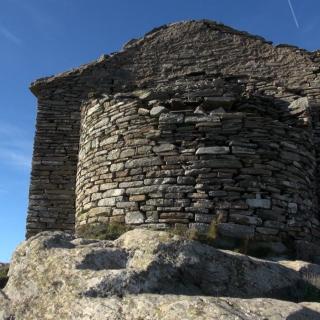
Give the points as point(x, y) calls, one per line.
point(305, 313)
point(166, 159)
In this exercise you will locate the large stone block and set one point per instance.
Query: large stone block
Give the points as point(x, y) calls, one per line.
point(143, 162)
point(236, 230)
point(113, 193)
point(245, 219)
point(217, 164)
point(165, 147)
point(171, 118)
point(134, 217)
point(216, 102)
point(213, 150)
point(259, 203)
point(157, 110)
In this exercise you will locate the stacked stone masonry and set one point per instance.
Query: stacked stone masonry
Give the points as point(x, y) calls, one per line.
point(172, 163)
point(194, 122)
point(55, 156)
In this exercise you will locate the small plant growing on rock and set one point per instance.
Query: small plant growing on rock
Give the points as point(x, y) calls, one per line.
point(101, 231)
point(212, 233)
point(207, 237)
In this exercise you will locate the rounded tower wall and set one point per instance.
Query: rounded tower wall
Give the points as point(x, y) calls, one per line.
point(190, 163)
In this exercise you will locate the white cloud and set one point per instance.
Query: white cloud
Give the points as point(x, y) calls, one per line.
point(6, 33)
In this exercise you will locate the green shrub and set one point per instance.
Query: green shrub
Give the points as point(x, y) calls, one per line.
point(101, 231)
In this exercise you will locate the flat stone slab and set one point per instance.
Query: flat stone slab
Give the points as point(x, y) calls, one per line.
point(213, 150)
point(225, 102)
point(156, 111)
point(259, 203)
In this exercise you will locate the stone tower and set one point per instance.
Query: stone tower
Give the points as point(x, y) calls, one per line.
point(192, 123)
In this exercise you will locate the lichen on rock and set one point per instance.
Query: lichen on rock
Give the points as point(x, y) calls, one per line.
point(148, 274)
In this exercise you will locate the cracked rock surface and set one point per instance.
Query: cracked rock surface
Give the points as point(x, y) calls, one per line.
point(148, 275)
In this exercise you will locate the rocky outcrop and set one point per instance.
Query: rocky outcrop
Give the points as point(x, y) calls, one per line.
point(4, 267)
point(149, 275)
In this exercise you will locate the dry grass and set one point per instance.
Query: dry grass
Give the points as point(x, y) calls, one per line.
point(208, 237)
point(110, 231)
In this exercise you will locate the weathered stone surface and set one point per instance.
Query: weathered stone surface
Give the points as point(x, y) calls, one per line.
point(113, 193)
point(170, 118)
point(218, 164)
point(113, 154)
point(108, 186)
point(236, 230)
point(225, 102)
point(245, 219)
point(267, 231)
point(142, 162)
point(134, 217)
point(307, 251)
point(109, 140)
point(143, 111)
point(300, 105)
point(259, 203)
point(185, 180)
point(142, 190)
point(206, 218)
point(292, 207)
point(147, 275)
point(213, 150)
point(165, 147)
point(138, 197)
point(116, 167)
point(242, 150)
point(127, 153)
point(157, 110)
point(217, 110)
point(108, 202)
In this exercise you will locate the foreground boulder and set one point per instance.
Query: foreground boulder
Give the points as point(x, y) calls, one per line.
point(4, 267)
point(148, 275)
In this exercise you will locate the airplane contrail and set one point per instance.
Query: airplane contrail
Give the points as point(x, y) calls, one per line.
point(293, 14)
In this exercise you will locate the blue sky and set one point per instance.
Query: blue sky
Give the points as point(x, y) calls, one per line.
point(44, 37)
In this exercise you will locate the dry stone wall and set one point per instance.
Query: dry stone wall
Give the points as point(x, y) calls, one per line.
point(180, 163)
point(187, 67)
point(52, 189)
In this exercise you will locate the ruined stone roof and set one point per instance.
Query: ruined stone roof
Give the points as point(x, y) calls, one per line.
point(195, 33)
